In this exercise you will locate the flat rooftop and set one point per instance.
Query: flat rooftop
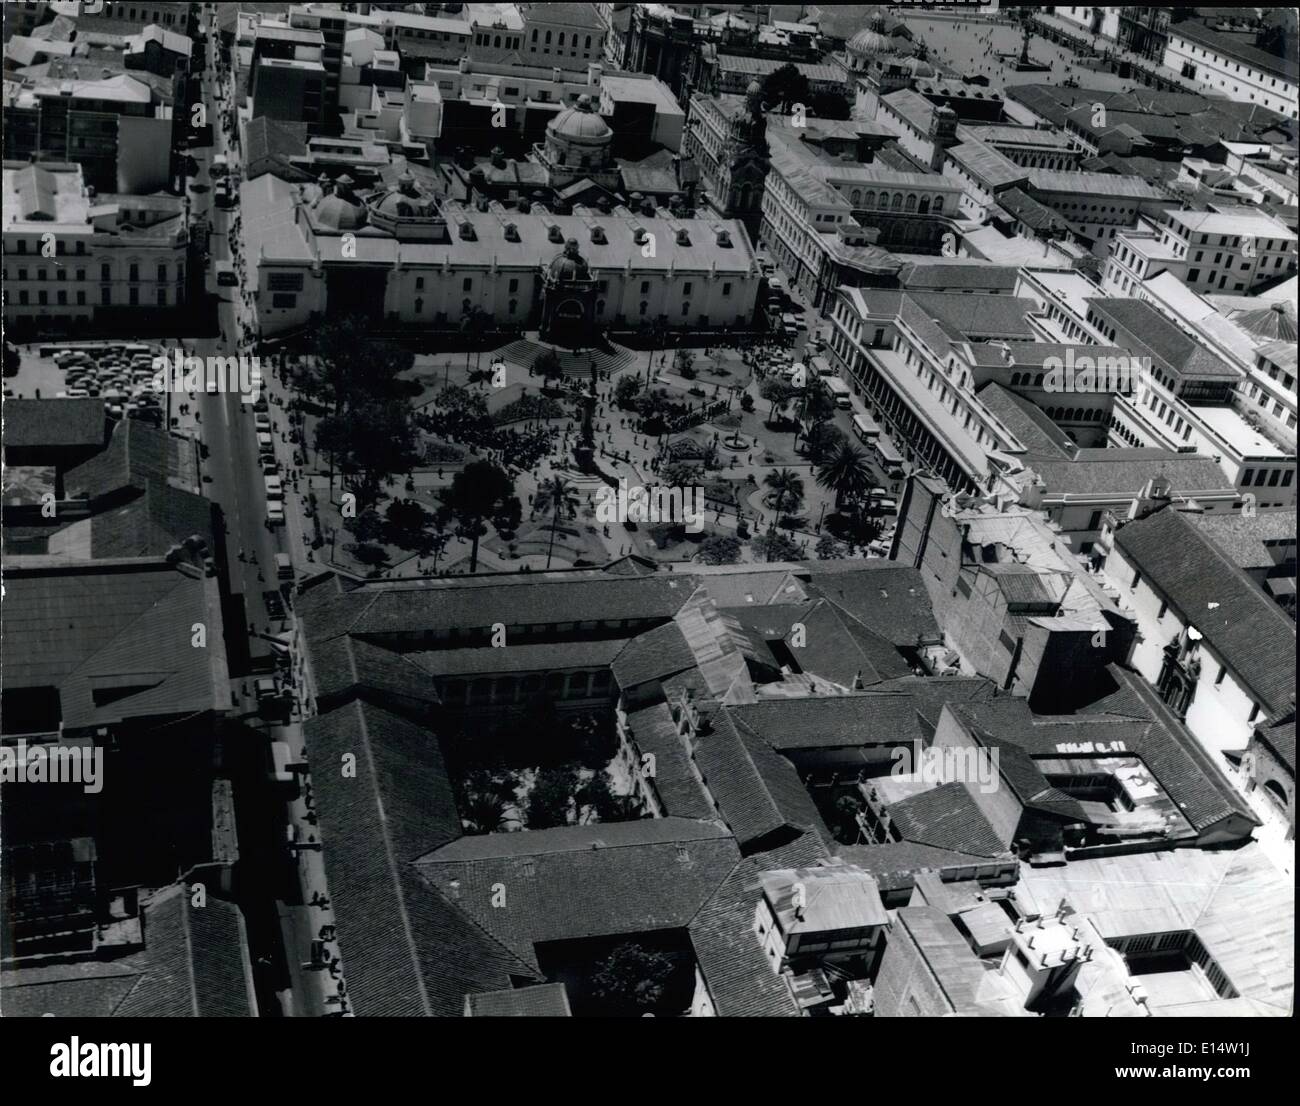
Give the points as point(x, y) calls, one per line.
point(1238, 433)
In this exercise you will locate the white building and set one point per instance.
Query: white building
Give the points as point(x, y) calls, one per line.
point(1219, 651)
point(72, 260)
point(404, 257)
point(1229, 62)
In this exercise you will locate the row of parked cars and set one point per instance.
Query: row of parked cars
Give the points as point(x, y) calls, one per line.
point(121, 374)
point(270, 466)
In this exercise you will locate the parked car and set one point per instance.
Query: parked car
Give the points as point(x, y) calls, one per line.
point(274, 604)
point(263, 422)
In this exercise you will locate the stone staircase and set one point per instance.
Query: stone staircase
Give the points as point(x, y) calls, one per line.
point(525, 352)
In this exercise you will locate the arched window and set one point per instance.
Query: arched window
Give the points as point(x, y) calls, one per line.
point(496, 43)
point(911, 203)
point(1038, 381)
point(925, 205)
point(898, 201)
point(560, 41)
point(870, 200)
point(938, 204)
point(548, 38)
point(856, 197)
point(419, 306)
point(1015, 380)
point(512, 307)
point(588, 46)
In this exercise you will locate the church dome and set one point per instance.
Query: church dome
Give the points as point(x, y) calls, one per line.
point(570, 265)
point(339, 209)
point(405, 201)
point(580, 123)
point(871, 43)
point(918, 67)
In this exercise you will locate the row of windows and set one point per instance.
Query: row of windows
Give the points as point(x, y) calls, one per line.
point(559, 40)
point(105, 273)
point(1236, 66)
point(899, 202)
point(20, 246)
point(105, 298)
point(1256, 477)
point(1075, 414)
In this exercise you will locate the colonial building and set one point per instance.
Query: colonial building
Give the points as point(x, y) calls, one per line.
point(1216, 648)
point(409, 257)
point(727, 138)
point(74, 260)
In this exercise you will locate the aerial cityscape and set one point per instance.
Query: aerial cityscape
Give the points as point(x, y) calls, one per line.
point(619, 510)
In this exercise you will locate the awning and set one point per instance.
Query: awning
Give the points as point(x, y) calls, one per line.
point(1280, 585)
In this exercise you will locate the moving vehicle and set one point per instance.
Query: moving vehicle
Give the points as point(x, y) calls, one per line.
point(867, 429)
point(283, 566)
point(840, 392)
point(220, 165)
point(275, 512)
point(226, 275)
point(890, 459)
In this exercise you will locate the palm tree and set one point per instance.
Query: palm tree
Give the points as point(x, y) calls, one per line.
point(559, 496)
point(847, 474)
point(787, 491)
point(485, 811)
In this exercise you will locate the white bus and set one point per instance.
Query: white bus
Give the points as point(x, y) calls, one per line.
point(868, 430)
point(840, 392)
point(890, 459)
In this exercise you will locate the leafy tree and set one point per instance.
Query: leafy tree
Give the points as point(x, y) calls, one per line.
point(831, 105)
point(595, 740)
point(746, 402)
point(787, 491)
point(663, 534)
point(547, 365)
point(775, 546)
point(626, 390)
point(332, 436)
point(720, 549)
point(381, 442)
point(847, 474)
point(828, 549)
point(822, 440)
point(778, 393)
point(479, 492)
point(368, 554)
point(350, 369)
point(365, 527)
point(560, 497)
point(680, 474)
point(818, 406)
point(550, 799)
point(630, 980)
point(785, 87)
point(602, 805)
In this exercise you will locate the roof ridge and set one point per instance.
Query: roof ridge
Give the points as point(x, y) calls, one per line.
point(363, 731)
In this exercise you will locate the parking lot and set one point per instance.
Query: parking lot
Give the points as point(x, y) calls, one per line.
point(120, 373)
